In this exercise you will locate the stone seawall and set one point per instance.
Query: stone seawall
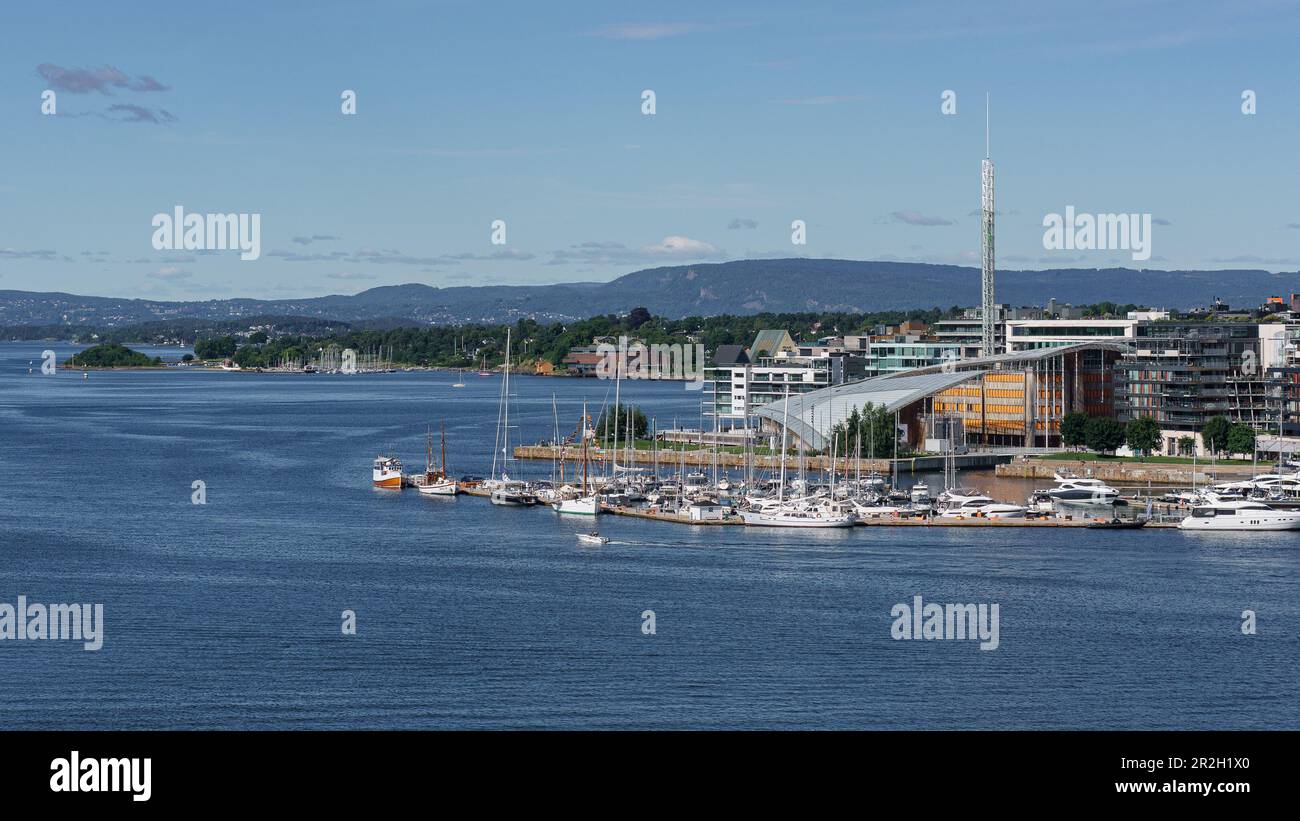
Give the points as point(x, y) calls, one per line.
point(704, 458)
point(1131, 473)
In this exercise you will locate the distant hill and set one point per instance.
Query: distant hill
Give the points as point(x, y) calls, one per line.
point(740, 287)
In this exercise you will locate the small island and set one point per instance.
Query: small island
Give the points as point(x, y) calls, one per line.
point(112, 355)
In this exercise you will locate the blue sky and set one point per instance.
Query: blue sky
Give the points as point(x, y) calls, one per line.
point(468, 112)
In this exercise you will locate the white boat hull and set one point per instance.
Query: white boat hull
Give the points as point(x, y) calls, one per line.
point(785, 519)
point(447, 488)
point(1281, 521)
point(586, 506)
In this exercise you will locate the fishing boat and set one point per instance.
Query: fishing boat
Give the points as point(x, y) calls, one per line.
point(593, 538)
point(387, 472)
point(436, 482)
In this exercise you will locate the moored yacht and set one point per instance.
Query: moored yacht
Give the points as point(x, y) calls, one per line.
point(790, 515)
point(1215, 513)
point(964, 502)
point(512, 493)
point(1080, 491)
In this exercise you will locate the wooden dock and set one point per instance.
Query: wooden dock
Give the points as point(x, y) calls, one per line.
point(657, 515)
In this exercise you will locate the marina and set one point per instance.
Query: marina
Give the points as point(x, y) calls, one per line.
point(749, 609)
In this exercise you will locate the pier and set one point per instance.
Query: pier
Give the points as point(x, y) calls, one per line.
point(657, 515)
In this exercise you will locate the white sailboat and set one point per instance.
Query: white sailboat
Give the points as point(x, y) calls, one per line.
point(585, 504)
point(437, 483)
point(505, 491)
point(793, 514)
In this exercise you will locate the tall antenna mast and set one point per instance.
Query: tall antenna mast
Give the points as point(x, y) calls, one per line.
point(988, 336)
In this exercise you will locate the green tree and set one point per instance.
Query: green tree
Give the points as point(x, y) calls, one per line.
point(1215, 433)
point(1073, 429)
point(1241, 439)
point(1103, 435)
point(604, 425)
point(215, 348)
point(874, 427)
point(1186, 445)
point(258, 337)
point(1142, 435)
point(111, 355)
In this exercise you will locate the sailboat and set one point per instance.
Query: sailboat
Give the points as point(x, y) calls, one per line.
point(482, 370)
point(460, 379)
point(437, 483)
point(586, 504)
point(782, 513)
point(506, 491)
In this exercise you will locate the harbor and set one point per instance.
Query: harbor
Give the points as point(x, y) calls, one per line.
point(620, 464)
point(1078, 519)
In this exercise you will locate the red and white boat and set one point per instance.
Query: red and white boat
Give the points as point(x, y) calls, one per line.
point(387, 472)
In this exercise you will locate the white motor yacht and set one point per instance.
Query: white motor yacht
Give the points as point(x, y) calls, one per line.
point(965, 503)
point(1215, 513)
point(1081, 491)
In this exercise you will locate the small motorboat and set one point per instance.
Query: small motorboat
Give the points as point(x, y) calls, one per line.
point(593, 538)
point(1118, 524)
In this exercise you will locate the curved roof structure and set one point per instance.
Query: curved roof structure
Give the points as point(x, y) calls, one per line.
point(811, 415)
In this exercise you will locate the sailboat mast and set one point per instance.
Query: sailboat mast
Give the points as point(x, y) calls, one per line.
point(785, 427)
point(505, 392)
point(618, 376)
point(584, 448)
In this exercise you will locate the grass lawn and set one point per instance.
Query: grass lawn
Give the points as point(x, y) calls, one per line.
point(1088, 456)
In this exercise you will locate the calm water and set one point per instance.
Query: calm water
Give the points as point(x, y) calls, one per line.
point(228, 614)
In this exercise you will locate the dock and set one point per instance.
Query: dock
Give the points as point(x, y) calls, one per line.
point(657, 515)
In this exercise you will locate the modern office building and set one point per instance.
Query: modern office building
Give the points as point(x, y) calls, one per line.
point(738, 381)
point(1183, 373)
point(1028, 334)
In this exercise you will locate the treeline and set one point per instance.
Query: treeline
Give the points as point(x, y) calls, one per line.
point(1142, 435)
point(185, 331)
point(467, 346)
